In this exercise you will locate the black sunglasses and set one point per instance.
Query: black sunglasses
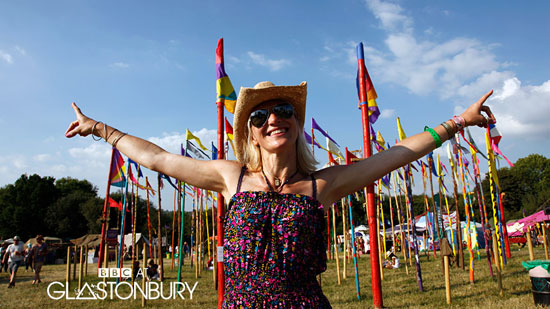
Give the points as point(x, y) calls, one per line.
point(259, 117)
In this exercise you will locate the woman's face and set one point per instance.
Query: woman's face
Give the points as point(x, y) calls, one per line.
point(278, 133)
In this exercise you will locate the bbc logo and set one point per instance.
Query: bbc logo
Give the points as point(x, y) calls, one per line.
point(114, 272)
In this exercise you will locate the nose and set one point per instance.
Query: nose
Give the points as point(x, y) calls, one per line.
point(273, 119)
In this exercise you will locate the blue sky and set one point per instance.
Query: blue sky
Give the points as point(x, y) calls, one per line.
point(148, 68)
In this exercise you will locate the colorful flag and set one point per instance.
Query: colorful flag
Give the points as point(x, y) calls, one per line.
point(380, 140)
point(351, 156)
point(495, 140)
point(472, 142)
point(332, 148)
point(190, 135)
point(131, 175)
point(192, 149)
point(315, 126)
point(370, 96)
point(214, 152)
point(331, 159)
point(228, 129)
point(140, 174)
point(117, 170)
point(224, 89)
point(402, 135)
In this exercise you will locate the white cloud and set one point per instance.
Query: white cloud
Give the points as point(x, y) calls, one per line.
point(6, 57)
point(387, 113)
point(390, 15)
point(20, 50)
point(171, 142)
point(119, 65)
point(42, 157)
point(273, 65)
point(94, 156)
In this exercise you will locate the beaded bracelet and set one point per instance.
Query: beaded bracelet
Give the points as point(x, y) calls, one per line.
point(434, 134)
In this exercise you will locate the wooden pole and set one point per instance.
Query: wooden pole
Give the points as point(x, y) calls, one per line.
point(447, 279)
point(134, 217)
point(335, 243)
point(80, 269)
point(144, 274)
point(86, 261)
point(74, 261)
point(68, 270)
point(214, 256)
point(460, 256)
point(104, 225)
point(378, 235)
point(543, 226)
point(345, 232)
point(106, 260)
point(530, 245)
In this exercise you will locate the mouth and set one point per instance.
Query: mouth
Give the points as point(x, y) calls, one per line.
point(278, 131)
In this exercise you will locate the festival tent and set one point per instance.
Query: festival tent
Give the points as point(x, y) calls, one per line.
point(521, 226)
point(140, 239)
point(90, 240)
point(47, 239)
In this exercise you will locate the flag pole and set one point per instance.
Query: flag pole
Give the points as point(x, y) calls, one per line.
point(181, 196)
point(375, 270)
point(123, 223)
point(220, 202)
point(105, 219)
point(159, 233)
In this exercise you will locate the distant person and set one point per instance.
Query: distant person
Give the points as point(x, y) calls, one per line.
point(14, 255)
point(153, 272)
point(40, 250)
point(28, 257)
point(2, 252)
point(392, 262)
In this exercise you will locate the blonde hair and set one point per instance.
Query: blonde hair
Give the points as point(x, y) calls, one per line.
point(305, 161)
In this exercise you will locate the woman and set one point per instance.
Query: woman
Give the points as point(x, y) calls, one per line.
point(273, 244)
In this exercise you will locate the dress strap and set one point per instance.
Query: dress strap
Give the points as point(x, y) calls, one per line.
point(240, 179)
point(314, 185)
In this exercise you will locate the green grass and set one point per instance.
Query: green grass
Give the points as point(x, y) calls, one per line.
point(399, 289)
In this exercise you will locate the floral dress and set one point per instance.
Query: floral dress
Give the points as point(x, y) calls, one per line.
point(273, 250)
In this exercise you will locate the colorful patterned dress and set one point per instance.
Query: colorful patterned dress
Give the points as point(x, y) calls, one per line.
point(273, 250)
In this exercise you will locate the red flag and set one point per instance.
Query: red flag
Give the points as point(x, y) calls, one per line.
point(331, 159)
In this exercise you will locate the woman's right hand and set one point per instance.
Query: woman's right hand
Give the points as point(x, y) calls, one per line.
point(82, 125)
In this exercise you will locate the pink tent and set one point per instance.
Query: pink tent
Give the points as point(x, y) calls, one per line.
point(519, 227)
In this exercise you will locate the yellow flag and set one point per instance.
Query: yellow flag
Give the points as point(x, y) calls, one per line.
point(380, 140)
point(190, 135)
point(402, 135)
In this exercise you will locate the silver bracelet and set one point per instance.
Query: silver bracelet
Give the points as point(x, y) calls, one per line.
point(93, 129)
point(448, 129)
point(105, 129)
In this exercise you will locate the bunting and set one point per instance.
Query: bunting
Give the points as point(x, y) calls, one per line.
point(140, 174)
point(224, 89)
point(228, 129)
point(190, 135)
point(192, 149)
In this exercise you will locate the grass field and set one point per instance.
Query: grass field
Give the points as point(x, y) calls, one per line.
point(399, 289)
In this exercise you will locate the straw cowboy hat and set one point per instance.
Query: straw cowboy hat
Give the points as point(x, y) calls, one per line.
point(265, 91)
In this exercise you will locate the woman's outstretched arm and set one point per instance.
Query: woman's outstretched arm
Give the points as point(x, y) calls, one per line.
point(338, 181)
point(215, 175)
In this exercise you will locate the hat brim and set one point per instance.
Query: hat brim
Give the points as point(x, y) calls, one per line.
point(251, 97)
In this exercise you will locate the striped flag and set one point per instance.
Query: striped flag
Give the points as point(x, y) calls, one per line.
point(117, 170)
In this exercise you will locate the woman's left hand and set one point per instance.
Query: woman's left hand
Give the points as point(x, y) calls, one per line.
point(472, 115)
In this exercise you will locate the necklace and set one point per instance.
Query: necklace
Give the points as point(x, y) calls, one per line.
point(277, 182)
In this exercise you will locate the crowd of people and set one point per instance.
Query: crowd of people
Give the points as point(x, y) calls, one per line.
point(15, 255)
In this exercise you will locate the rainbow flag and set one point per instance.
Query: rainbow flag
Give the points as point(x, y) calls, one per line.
point(117, 170)
point(371, 95)
point(224, 88)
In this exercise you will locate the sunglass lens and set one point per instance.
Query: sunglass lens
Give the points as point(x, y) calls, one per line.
point(284, 111)
point(259, 117)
